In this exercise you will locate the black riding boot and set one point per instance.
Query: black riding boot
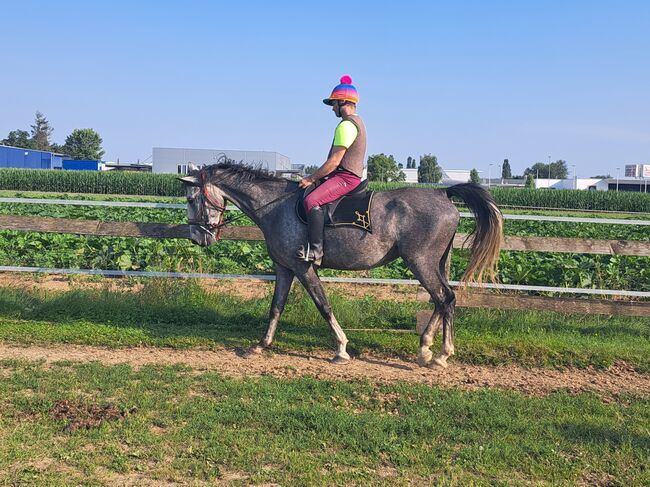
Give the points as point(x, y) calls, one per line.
point(315, 228)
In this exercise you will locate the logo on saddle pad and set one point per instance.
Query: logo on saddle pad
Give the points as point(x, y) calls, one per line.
point(349, 210)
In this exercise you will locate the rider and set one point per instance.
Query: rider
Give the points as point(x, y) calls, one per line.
point(344, 166)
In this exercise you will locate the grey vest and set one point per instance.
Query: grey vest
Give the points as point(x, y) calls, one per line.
point(355, 155)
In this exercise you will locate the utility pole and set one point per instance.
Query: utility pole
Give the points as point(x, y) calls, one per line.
point(617, 169)
point(490, 175)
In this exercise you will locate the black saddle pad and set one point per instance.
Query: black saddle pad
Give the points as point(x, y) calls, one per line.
point(350, 210)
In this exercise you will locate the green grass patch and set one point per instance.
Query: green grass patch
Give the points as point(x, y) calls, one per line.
point(182, 426)
point(181, 315)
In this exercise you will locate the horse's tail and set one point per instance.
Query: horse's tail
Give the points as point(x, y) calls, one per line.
point(487, 235)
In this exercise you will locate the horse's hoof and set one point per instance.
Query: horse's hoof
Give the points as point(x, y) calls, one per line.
point(253, 352)
point(339, 360)
point(440, 362)
point(424, 359)
point(423, 362)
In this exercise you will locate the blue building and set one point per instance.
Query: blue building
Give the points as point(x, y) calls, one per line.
point(29, 159)
point(81, 165)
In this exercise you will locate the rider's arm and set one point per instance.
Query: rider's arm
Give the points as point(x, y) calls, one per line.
point(345, 134)
point(330, 165)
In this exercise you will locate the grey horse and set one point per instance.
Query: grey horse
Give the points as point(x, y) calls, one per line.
point(416, 224)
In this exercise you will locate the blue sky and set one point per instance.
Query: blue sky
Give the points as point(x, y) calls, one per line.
point(472, 82)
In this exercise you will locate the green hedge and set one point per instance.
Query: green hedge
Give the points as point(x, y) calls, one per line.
point(114, 182)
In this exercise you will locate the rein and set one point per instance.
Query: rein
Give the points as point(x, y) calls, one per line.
point(211, 204)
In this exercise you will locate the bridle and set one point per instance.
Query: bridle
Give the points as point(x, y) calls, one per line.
point(210, 204)
point(203, 219)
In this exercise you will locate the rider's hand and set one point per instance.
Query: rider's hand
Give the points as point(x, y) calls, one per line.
point(305, 182)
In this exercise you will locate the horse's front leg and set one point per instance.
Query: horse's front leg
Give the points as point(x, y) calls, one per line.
point(283, 281)
point(309, 279)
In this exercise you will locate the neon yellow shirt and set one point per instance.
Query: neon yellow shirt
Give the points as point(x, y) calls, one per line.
point(345, 134)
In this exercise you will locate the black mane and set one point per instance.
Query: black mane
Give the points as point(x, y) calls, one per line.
point(242, 173)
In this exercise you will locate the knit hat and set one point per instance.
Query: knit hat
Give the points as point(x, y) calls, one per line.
point(345, 91)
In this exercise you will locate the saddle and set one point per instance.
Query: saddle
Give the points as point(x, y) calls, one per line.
point(352, 209)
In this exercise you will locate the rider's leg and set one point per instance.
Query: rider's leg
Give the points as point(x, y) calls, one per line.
point(336, 186)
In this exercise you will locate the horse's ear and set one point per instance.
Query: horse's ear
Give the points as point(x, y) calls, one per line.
point(191, 180)
point(191, 167)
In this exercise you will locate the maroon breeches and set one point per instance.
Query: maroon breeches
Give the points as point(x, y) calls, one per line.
point(338, 184)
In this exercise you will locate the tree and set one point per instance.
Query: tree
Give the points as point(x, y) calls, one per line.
point(84, 144)
point(18, 138)
point(382, 168)
point(602, 176)
point(310, 169)
point(506, 172)
point(401, 177)
point(556, 170)
point(474, 177)
point(429, 170)
point(410, 163)
point(530, 182)
point(41, 131)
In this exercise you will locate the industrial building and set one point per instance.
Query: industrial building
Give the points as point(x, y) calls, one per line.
point(177, 160)
point(18, 157)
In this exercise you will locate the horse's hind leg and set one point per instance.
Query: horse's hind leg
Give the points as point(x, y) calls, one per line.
point(309, 279)
point(432, 277)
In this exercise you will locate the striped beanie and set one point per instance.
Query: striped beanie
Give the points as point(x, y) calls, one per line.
point(345, 91)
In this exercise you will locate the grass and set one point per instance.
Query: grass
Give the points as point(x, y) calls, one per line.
point(186, 426)
point(177, 314)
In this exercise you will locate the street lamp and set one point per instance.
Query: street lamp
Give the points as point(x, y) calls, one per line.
point(617, 169)
point(549, 168)
point(490, 175)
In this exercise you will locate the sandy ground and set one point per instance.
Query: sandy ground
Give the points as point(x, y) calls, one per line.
point(613, 381)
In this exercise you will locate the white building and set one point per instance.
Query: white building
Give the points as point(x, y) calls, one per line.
point(595, 184)
point(177, 160)
point(449, 176)
point(637, 170)
point(578, 183)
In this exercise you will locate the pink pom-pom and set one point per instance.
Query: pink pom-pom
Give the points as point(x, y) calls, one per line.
point(346, 80)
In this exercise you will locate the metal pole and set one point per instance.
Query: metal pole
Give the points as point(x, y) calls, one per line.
point(575, 179)
point(617, 169)
point(489, 175)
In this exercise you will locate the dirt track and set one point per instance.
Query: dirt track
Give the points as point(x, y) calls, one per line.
point(613, 381)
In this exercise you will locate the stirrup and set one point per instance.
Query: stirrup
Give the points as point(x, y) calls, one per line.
point(303, 253)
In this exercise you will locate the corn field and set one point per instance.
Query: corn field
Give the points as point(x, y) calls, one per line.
point(148, 184)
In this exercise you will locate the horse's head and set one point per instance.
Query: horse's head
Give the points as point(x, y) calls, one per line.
point(205, 207)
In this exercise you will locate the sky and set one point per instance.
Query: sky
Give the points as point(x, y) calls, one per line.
point(472, 82)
